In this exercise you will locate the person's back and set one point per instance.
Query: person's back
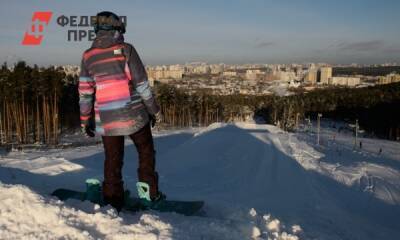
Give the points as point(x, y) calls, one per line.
point(113, 87)
point(123, 98)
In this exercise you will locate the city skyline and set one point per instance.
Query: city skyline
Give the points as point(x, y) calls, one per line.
point(342, 32)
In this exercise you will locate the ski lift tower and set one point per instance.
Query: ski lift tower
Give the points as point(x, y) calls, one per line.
point(356, 134)
point(318, 126)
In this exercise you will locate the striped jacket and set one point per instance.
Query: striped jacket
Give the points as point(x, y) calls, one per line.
point(113, 87)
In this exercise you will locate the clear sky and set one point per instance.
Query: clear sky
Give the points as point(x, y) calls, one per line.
point(234, 31)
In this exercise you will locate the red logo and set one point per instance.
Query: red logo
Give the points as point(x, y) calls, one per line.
point(34, 35)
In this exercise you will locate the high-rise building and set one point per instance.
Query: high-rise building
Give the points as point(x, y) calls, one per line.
point(390, 78)
point(217, 68)
point(311, 76)
point(345, 81)
point(325, 74)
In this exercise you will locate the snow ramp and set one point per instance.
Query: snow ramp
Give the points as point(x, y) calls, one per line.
point(243, 166)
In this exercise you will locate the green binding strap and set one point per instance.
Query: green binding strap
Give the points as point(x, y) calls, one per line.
point(93, 190)
point(92, 181)
point(143, 190)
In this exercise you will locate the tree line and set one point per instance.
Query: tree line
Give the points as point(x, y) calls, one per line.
point(29, 104)
point(39, 104)
point(181, 109)
point(366, 71)
point(377, 108)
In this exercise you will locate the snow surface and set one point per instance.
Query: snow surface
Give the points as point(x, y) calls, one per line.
point(258, 182)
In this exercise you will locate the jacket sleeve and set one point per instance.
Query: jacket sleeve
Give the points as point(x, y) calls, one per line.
point(140, 82)
point(86, 88)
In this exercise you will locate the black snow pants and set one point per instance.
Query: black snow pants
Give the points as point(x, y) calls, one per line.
point(113, 185)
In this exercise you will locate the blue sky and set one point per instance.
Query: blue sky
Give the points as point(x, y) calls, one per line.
point(236, 31)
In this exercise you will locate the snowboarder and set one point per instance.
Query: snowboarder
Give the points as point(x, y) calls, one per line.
point(115, 95)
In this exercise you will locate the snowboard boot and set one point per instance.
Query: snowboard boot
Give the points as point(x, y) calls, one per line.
point(113, 194)
point(146, 200)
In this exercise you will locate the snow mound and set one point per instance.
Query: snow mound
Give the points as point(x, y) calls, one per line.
point(242, 125)
point(27, 215)
point(243, 166)
point(238, 164)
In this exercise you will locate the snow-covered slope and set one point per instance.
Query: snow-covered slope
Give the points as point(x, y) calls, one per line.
point(27, 215)
point(258, 182)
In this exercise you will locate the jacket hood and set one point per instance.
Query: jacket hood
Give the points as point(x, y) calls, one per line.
point(105, 39)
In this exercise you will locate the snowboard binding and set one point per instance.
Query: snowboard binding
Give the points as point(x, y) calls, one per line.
point(144, 196)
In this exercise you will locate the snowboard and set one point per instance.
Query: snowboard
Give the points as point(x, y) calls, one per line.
point(133, 204)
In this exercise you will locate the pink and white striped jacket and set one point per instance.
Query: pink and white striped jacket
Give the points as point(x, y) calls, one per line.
point(113, 87)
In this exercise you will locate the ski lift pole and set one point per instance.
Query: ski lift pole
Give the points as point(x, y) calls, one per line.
point(356, 134)
point(318, 126)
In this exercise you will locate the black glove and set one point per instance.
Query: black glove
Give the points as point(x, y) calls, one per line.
point(157, 118)
point(152, 120)
point(87, 130)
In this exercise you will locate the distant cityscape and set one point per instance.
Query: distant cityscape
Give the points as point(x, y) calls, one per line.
point(261, 79)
